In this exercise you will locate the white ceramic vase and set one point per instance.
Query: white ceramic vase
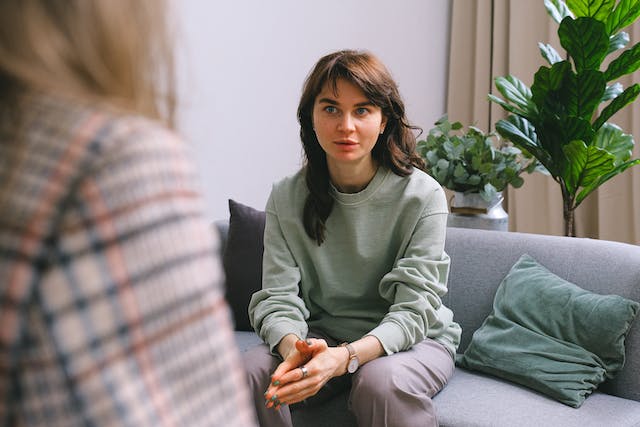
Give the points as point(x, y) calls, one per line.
point(472, 211)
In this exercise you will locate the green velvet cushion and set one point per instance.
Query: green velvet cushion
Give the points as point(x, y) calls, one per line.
point(551, 335)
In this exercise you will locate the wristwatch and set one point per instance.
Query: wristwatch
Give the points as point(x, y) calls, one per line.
point(354, 362)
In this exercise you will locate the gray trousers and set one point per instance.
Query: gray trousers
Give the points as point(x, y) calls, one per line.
point(389, 391)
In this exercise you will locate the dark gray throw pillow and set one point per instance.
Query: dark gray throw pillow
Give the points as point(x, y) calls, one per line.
point(551, 335)
point(242, 260)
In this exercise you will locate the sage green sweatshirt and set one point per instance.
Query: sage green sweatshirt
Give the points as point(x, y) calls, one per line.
point(381, 270)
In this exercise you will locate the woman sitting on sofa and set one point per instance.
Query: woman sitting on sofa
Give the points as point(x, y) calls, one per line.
point(354, 262)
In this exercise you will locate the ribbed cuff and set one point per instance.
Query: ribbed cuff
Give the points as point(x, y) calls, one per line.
point(280, 329)
point(391, 336)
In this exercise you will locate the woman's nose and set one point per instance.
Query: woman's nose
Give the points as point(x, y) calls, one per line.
point(346, 123)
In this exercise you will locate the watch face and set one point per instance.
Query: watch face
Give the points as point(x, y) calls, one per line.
point(353, 365)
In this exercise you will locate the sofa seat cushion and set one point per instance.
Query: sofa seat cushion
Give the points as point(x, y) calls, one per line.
point(475, 399)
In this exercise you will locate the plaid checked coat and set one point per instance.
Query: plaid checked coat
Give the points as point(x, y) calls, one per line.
point(111, 306)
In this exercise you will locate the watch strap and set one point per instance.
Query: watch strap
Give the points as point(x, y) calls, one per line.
point(350, 349)
point(353, 361)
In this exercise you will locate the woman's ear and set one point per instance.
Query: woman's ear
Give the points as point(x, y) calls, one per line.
point(383, 124)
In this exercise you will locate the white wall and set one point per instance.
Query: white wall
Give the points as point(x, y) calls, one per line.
point(242, 64)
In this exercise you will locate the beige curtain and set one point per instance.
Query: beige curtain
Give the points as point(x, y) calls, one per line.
point(492, 38)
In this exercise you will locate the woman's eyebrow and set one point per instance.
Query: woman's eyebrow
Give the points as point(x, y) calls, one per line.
point(328, 101)
point(365, 104)
point(334, 102)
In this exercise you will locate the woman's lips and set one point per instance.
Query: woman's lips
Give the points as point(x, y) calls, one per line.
point(346, 142)
point(346, 145)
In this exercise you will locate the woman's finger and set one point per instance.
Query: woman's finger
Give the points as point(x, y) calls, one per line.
point(295, 375)
point(298, 391)
point(304, 346)
point(306, 350)
point(311, 346)
point(276, 377)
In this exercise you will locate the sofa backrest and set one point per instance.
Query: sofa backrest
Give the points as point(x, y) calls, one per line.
point(480, 259)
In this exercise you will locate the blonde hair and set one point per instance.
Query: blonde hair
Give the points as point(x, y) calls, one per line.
point(116, 52)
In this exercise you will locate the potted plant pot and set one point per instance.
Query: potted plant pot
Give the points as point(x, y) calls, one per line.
point(470, 210)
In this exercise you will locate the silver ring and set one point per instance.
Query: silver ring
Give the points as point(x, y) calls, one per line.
point(305, 372)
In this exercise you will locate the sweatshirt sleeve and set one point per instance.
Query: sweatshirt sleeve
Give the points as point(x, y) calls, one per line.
point(277, 310)
point(417, 282)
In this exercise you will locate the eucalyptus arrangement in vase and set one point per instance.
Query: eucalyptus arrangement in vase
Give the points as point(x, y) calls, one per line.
point(559, 120)
point(473, 161)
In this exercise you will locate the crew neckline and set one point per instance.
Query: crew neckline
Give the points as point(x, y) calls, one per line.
point(364, 194)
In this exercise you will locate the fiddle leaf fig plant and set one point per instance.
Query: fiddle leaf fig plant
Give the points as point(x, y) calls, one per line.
point(472, 161)
point(559, 120)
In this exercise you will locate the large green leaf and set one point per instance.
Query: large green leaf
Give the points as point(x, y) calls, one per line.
point(611, 138)
point(626, 63)
point(585, 164)
point(550, 78)
point(549, 53)
point(557, 9)
point(626, 97)
point(618, 41)
point(604, 178)
point(574, 127)
point(510, 108)
point(586, 41)
point(624, 14)
point(555, 133)
point(598, 9)
point(583, 92)
point(522, 133)
point(546, 84)
point(516, 92)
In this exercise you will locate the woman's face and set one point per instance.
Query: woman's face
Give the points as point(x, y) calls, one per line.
point(346, 124)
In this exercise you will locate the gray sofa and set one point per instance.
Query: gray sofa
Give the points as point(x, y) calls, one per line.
point(480, 260)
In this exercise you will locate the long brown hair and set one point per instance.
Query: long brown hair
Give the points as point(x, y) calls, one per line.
point(395, 148)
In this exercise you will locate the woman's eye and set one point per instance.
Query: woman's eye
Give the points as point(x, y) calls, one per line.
point(330, 109)
point(362, 111)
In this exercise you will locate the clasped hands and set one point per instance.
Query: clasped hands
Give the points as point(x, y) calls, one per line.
point(305, 369)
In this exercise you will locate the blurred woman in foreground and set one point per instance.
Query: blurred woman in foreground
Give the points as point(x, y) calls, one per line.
point(111, 304)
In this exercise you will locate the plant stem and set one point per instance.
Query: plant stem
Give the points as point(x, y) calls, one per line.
point(568, 211)
point(569, 222)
